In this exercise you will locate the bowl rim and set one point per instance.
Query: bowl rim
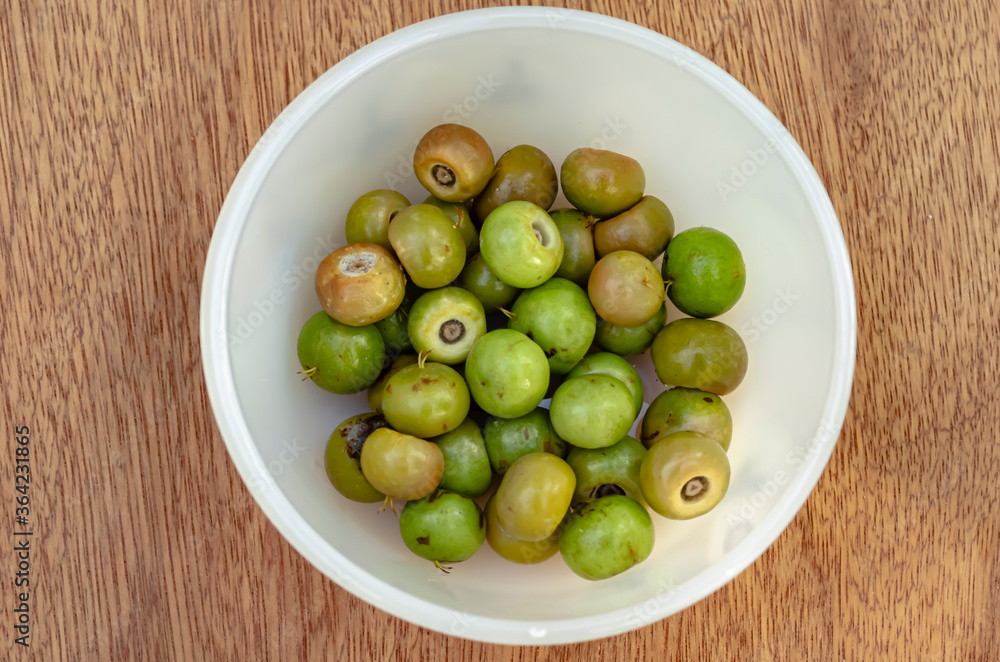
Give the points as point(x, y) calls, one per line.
point(251, 466)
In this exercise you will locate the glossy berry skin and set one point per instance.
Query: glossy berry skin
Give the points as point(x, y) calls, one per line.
point(592, 411)
point(558, 317)
point(625, 288)
point(534, 496)
point(703, 354)
point(607, 537)
point(521, 173)
point(510, 439)
point(706, 272)
point(630, 340)
point(446, 323)
point(425, 400)
point(679, 409)
point(343, 457)
point(576, 231)
point(600, 182)
point(401, 466)
point(359, 284)
point(428, 245)
point(510, 548)
point(507, 373)
point(444, 527)
point(605, 363)
point(461, 216)
point(466, 462)
point(393, 328)
point(610, 470)
point(394, 334)
point(684, 475)
point(521, 244)
point(368, 218)
point(453, 162)
point(492, 292)
point(339, 358)
point(376, 390)
point(646, 229)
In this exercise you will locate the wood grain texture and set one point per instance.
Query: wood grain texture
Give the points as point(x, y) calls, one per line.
point(121, 128)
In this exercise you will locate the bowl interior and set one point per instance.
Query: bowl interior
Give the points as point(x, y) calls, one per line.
point(557, 80)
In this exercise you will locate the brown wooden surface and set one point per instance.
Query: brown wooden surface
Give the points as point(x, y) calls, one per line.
point(123, 125)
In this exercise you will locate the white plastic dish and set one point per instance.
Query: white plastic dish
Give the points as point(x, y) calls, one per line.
point(557, 79)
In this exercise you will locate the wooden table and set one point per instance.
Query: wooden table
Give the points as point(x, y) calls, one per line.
point(123, 125)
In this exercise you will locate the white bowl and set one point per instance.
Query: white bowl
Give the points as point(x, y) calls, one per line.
point(557, 79)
